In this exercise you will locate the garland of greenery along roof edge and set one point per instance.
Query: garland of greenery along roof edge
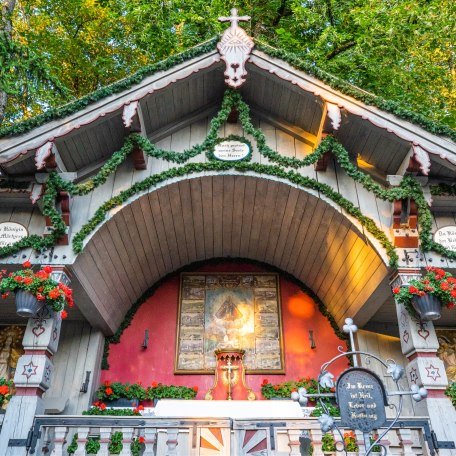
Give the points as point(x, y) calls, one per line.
point(333, 81)
point(115, 338)
point(349, 89)
point(409, 187)
point(443, 189)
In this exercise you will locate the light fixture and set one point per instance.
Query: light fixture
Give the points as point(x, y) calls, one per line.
point(145, 343)
point(312, 341)
point(85, 385)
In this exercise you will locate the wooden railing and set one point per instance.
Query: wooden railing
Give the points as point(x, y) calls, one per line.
point(205, 437)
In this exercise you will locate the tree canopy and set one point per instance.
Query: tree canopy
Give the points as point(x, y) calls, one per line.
point(54, 51)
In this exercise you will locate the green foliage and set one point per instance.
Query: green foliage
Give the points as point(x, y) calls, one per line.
point(73, 446)
point(92, 445)
point(159, 391)
point(451, 392)
point(319, 410)
point(6, 390)
point(328, 443)
point(443, 189)
point(284, 389)
point(136, 446)
point(111, 391)
point(115, 445)
point(104, 411)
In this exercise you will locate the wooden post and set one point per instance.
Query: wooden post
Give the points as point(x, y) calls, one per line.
point(32, 377)
point(419, 344)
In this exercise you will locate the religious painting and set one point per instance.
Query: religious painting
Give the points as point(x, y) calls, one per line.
point(229, 310)
point(447, 351)
point(10, 349)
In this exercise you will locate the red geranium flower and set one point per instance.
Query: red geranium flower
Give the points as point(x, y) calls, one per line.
point(40, 297)
point(27, 264)
point(4, 390)
point(396, 290)
point(451, 305)
point(47, 269)
point(108, 391)
point(54, 293)
point(276, 387)
point(141, 439)
point(444, 286)
point(195, 388)
point(5, 295)
point(64, 314)
point(413, 290)
point(107, 383)
point(154, 384)
point(28, 280)
point(265, 381)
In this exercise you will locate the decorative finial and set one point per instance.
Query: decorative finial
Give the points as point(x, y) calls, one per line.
point(235, 47)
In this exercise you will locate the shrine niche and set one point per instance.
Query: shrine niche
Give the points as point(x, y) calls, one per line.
point(10, 349)
point(233, 310)
point(447, 351)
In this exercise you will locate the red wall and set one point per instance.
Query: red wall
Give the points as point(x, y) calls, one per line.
point(130, 363)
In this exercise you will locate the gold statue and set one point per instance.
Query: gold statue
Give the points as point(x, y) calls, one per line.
point(230, 377)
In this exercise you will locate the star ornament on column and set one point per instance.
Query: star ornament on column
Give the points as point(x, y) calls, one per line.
point(433, 372)
point(30, 370)
point(413, 375)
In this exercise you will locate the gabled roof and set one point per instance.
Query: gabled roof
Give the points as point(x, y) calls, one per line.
point(110, 111)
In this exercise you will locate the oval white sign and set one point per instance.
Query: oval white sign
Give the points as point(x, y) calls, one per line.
point(446, 236)
point(231, 150)
point(11, 232)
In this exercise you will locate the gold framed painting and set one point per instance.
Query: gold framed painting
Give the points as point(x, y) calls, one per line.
point(229, 310)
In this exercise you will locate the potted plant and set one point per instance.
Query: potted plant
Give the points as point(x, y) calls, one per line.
point(33, 290)
point(115, 445)
point(284, 389)
point(100, 408)
point(117, 394)
point(6, 392)
point(426, 296)
point(137, 446)
point(159, 391)
point(376, 449)
point(350, 443)
point(328, 444)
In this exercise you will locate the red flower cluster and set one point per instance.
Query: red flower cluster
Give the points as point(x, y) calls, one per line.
point(195, 388)
point(138, 409)
point(100, 405)
point(4, 390)
point(141, 439)
point(265, 381)
point(108, 391)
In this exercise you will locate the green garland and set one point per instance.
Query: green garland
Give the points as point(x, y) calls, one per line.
point(409, 188)
point(443, 189)
point(126, 322)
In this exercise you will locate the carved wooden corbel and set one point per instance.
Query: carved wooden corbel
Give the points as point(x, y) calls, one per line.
point(132, 120)
point(405, 223)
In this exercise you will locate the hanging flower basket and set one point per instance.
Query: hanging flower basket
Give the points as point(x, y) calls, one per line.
point(27, 305)
point(33, 290)
point(428, 307)
point(425, 297)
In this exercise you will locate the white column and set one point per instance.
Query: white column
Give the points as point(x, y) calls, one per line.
point(32, 377)
point(419, 344)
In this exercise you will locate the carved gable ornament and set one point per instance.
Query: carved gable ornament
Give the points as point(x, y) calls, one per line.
point(235, 47)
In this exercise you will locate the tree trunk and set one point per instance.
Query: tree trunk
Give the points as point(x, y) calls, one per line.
point(6, 28)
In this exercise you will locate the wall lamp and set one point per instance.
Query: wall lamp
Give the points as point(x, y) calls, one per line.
point(312, 341)
point(85, 385)
point(145, 343)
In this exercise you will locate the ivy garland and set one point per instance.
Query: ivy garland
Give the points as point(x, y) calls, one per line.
point(115, 338)
point(443, 189)
point(409, 188)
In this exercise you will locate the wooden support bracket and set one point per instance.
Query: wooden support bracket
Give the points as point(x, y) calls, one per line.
point(134, 123)
point(405, 223)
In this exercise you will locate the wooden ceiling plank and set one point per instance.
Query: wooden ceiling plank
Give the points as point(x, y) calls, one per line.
point(217, 213)
point(238, 209)
point(352, 248)
point(258, 211)
point(105, 243)
point(207, 200)
point(304, 205)
point(283, 195)
point(124, 255)
point(285, 230)
point(130, 237)
point(198, 133)
point(170, 233)
point(327, 249)
point(227, 215)
point(336, 254)
point(188, 220)
point(149, 253)
point(309, 222)
point(269, 217)
point(197, 212)
point(316, 239)
point(103, 263)
point(247, 216)
point(151, 231)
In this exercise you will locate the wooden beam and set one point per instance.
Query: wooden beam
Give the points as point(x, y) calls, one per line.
point(47, 157)
point(134, 123)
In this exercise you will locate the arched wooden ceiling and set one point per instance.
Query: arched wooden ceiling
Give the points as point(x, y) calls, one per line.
point(227, 216)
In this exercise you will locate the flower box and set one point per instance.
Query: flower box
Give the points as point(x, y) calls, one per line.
point(122, 402)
